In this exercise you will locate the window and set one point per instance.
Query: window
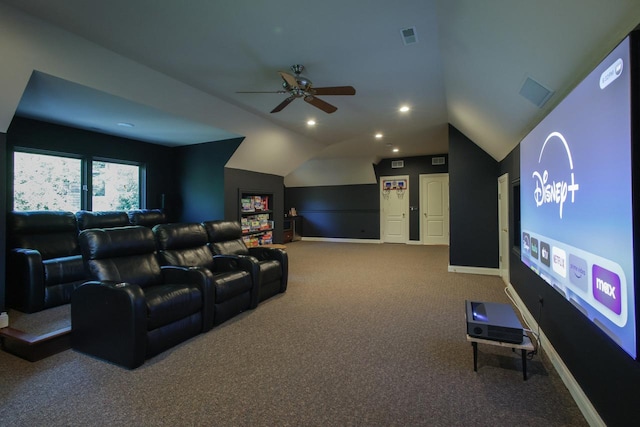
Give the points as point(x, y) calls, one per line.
point(44, 182)
point(115, 186)
point(55, 182)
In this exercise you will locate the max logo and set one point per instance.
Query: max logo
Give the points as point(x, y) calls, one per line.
point(549, 190)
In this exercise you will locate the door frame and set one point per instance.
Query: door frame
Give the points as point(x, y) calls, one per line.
point(503, 226)
point(405, 198)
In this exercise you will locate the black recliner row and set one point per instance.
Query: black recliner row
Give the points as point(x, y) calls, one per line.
point(151, 290)
point(44, 265)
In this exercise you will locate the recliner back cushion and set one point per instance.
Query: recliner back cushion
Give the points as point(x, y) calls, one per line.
point(123, 254)
point(101, 219)
point(225, 237)
point(231, 247)
point(52, 233)
point(183, 244)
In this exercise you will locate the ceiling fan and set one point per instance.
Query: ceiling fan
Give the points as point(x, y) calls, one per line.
point(298, 86)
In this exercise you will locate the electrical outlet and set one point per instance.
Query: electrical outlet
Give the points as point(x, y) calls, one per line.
point(4, 320)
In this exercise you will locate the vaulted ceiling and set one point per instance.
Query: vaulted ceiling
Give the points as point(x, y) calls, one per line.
point(466, 67)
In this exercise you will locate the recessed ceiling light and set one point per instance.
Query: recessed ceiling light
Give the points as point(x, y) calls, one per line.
point(378, 135)
point(395, 150)
point(311, 122)
point(126, 125)
point(404, 108)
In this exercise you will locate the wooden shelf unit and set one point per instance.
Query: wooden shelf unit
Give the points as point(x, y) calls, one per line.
point(256, 217)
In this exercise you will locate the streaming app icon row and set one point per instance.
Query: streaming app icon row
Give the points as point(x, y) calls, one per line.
point(604, 286)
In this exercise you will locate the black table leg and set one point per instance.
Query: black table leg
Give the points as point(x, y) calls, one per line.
point(475, 356)
point(524, 364)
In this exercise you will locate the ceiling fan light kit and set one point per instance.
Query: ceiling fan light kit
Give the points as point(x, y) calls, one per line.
point(299, 86)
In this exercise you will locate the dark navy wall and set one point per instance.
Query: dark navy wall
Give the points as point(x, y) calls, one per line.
point(414, 167)
point(473, 195)
point(343, 211)
point(34, 134)
point(201, 180)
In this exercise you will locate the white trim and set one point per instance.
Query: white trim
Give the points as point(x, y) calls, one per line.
point(503, 226)
point(474, 270)
point(584, 404)
point(339, 240)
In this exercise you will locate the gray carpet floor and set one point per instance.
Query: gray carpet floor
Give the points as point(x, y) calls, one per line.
point(366, 335)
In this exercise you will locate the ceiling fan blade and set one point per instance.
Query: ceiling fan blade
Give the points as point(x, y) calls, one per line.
point(318, 103)
point(270, 91)
point(335, 90)
point(283, 104)
point(289, 79)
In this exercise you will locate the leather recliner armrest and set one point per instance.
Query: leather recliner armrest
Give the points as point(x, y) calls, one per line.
point(276, 254)
point(224, 263)
point(25, 284)
point(246, 263)
point(108, 320)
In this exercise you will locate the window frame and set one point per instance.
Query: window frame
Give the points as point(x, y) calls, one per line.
point(86, 174)
point(142, 184)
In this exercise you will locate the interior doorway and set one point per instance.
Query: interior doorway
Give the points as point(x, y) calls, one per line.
point(434, 209)
point(394, 209)
point(503, 224)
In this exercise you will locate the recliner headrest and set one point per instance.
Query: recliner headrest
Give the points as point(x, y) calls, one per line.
point(147, 217)
point(116, 242)
point(221, 230)
point(179, 236)
point(101, 219)
point(27, 222)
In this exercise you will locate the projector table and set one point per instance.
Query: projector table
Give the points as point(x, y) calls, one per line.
point(525, 346)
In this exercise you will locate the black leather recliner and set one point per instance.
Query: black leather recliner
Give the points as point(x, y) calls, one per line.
point(44, 265)
point(133, 308)
point(185, 244)
point(270, 265)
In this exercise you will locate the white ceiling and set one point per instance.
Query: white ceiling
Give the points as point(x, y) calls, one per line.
point(466, 69)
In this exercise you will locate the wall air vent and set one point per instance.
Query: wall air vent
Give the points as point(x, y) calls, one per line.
point(537, 94)
point(397, 164)
point(437, 161)
point(409, 35)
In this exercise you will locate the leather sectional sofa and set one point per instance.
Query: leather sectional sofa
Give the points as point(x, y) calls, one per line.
point(146, 296)
point(136, 291)
point(44, 264)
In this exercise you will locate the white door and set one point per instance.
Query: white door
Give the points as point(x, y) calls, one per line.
point(434, 209)
point(394, 210)
point(503, 223)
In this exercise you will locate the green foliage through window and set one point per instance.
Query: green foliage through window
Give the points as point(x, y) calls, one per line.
point(115, 186)
point(43, 182)
point(49, 182)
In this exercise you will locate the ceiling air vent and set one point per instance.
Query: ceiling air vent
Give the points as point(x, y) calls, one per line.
point(409, 36)
point(397, 164)
point(437, 161)
point(535, 92)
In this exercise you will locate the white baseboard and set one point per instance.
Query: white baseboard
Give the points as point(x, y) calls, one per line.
point(584, 404)
point(339, 240)
point(474, 270)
